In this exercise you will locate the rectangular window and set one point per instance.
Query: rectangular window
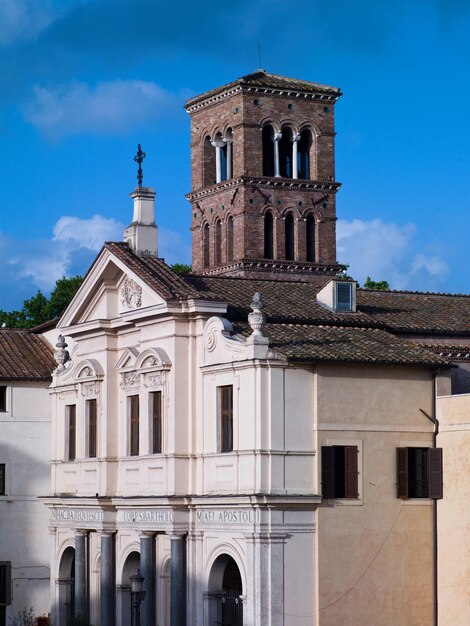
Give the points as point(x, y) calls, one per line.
point(339, 471)
point(71, 432)
point(156, 420)
point(92, 427)
point(419, 473)
point(3, 398)
point(133, 408)
point(343, 296)
point(5, 584)
point(2, 479)
point(226, 418)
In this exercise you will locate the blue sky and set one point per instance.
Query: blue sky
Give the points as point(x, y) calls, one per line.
point(82, 82)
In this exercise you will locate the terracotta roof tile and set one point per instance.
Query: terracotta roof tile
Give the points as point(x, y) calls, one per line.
point(25, 356)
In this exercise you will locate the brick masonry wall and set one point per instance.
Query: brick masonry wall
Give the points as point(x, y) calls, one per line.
point(247, 203)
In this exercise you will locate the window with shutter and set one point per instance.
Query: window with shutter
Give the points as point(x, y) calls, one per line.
point(71, 432)
point(133, 408)
point(339, 472)
point(343, 296)
point(419, 473)
point(92, 427)
point(226, 418)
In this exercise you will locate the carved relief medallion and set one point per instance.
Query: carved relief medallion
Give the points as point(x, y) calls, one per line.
point(131, 294)
point(129, 380)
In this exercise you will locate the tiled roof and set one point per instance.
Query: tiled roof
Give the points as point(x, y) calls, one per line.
point(295, 302)
point(263, 80)
point(301, 342)
point(25, 356)
point(302, 329)
point(154, 271)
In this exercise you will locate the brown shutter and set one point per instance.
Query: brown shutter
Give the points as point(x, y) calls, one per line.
point(435, 473)
point(350, 472)
point(328, 471)
point(402, 473)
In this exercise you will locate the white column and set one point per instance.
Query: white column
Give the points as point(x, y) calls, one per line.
point(218, 160)
point(295, 145)
point(277, 138)
point(229, 159)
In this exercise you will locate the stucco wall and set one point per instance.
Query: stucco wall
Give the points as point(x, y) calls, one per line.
point(453, 511)
point(25, 444)
point(375, 553)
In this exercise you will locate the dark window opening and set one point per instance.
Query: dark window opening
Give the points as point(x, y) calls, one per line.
point(268, 151)
point(156, 421)
point(92, 427)
point(218, 242)
point(339, 471)
point(268, 236)
point(289, 226)
point(226, 418)
point(133, 403)
point(5, 589)
point(285, 153)
point(303, 154)
point(2, 479)
point(71, 432)
point(223, 162)
point(230, 239)
point(311, 238)
point(3, 398)
point(205, 245)
point(208, 166)
point(419, 473)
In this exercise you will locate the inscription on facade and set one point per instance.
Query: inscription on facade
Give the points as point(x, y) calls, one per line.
point(158, 517)
point(226, 516)
point(77, 515)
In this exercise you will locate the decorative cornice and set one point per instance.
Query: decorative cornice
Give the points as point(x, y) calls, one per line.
point(276, 265)
point(272, 92)
point(266, 183)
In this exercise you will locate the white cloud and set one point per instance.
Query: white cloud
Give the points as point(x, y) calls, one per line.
point(109, 108)
point(37, 264)
point(90, 233)
point(387, 251)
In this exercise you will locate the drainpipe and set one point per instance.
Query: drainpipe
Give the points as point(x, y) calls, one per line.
point(435, 421)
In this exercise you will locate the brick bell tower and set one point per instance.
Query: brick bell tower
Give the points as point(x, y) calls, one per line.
point(263, 179)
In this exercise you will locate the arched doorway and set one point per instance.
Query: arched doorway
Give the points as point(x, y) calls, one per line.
point(131, 565)
point(66, 587)
point(225, 591)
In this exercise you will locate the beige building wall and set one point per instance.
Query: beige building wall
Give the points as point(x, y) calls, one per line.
point(453, 511)
point(375, 553)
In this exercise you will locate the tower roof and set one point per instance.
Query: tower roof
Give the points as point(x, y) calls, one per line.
point(261, 81)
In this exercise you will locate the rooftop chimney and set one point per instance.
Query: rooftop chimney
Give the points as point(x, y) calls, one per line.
point(142, 234)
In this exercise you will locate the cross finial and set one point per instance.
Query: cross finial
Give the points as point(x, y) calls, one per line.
point(139, 157)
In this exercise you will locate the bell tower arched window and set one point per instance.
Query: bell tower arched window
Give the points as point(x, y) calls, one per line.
point(230, 239)
point(205, 246)
point(218, 242)
point(268, 236)
point(305, 145)
point(289, 233)
point(311, 238)
point(268, 151)
point(285, 153)
point(208, 163)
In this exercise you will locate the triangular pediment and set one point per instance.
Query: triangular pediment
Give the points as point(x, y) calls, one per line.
point(110, 290)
